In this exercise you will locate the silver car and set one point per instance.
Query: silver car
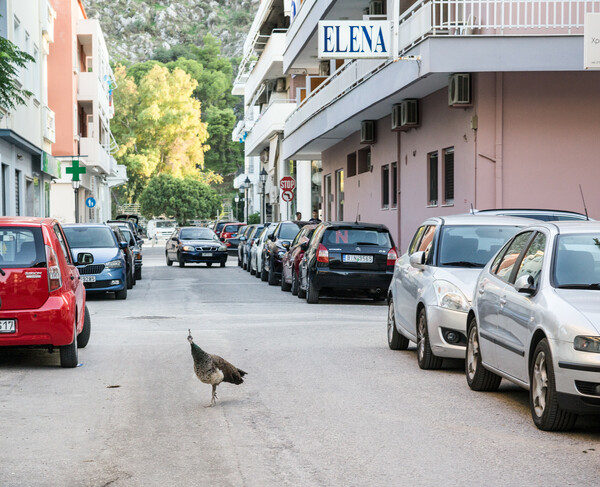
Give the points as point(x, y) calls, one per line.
point(535, 321)
point(433, 283)
point(256, 263)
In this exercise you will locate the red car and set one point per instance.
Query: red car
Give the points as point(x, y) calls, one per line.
point(42, 298)
point(230, 230)
point(292, 258)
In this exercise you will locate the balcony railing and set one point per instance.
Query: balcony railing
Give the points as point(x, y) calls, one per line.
point(97, 154)
point(271, 120)
point(444, 18)
point(49, 121)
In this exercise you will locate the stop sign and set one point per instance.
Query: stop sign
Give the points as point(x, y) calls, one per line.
point(287, 183)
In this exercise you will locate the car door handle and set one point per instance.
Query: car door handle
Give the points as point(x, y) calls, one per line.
point(481, 290)
point(72, 278)
point(502, 301)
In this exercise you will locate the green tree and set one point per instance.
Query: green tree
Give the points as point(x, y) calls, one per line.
point(182, 199)
point(12, 59)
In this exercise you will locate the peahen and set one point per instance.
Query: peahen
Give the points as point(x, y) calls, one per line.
point(212, 369)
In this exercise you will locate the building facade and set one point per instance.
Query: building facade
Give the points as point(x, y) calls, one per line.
point(28, 132)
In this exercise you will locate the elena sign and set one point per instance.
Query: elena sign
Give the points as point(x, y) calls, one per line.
point(354, 39)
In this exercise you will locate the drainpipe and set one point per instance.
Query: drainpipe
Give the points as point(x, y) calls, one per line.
point(499, 138)
point(395, 29)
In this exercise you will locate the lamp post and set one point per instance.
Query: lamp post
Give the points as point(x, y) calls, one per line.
point(76, 189)
point(247, 183)
point(263, 181)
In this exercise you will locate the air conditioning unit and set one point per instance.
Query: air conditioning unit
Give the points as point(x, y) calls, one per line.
point(459, 90)
point(367, 132)
point(376, 7)
point(324, 68)
point(264, 156)
point(280, 85)
point(405, 115)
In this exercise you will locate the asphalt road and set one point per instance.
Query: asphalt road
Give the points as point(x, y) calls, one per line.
point(325, 402)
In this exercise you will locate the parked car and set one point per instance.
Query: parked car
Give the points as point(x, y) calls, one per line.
point(136, 247)
point(276, 246)
point(108, 273)
point(135, 219)
point(242, 238)
point(42, 295)
point(218, 226)
point(434, 281)
point(291, 260)
point(536, 214)
point(121, 236)
point(347, 256)
point(195, 245)
point(230, 235)
point(535, 321)
point(259, 254)
point(130, 225)
point(160, 229)
point(249, 245)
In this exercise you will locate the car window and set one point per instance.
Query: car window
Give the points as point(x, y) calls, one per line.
point(412, 248)
point(196, 234)
point(63, 245)
point(533, 259)
point(577, 261)
point(426, 243)
point(21, 247)
point(288, 231)
point(357, 236)
point(90, 237)
point(316, 238)
point(506, 265)
point(231, 228)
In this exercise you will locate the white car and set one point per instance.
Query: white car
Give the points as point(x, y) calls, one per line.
point(160, 229)
point(256, 266)
point(535, 321)
point(433, 283)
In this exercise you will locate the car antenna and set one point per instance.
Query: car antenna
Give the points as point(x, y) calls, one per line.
point(584, 206)
point(472, 209)
point(357, 206)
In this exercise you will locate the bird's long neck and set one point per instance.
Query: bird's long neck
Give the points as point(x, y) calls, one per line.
point(198, 354)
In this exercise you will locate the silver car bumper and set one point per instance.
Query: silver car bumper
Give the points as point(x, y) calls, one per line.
point(449, 319)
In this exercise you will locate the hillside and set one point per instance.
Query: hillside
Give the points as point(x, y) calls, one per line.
point(135, 28)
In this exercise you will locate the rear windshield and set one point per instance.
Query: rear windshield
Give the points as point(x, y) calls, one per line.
point(21, 247)
point(472, 246)
point(231, 228)
point(165, 224)
point(90, 237)
point(358, 236)
point(288, 231)
point(577, 261)
point(197, 234)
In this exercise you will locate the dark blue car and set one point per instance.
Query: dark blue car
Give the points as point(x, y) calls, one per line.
point(108, 272)
point(195, 245)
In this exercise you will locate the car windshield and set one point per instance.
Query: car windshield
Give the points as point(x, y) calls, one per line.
point(231, 228)
point(577, 261)
point(357, 236)
point(21, 247)
point(197, 234)
point(127, 234)
point(165, 224)
point(90, 237)
point(472, 246)
point(288, 231)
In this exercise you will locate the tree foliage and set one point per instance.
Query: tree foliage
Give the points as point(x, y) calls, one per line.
point(182, 199)
point(12, 60)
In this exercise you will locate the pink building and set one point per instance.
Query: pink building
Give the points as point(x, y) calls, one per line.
point(495, 110)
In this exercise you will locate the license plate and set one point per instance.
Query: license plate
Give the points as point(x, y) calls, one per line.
point(358, 259)
point(7, 326)
point(207, 254)
point(88, 278)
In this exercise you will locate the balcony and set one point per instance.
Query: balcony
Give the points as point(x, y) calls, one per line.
point(49, 123)
point(270, 122)
point(97, 155)
point(269, 65)
point(48, 14)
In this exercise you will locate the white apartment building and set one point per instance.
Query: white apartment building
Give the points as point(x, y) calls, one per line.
point(28, 132)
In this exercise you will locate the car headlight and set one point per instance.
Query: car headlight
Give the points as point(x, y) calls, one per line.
point(281, 253)
point(587, 344)
point(114, 264)
point(222, 248)
point(188, 248)
point(449, 296)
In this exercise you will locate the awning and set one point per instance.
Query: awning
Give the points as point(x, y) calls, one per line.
point(273, 152)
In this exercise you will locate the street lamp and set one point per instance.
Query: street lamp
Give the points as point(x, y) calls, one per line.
point(76, 189)
point(247, 183)
point(263, 181)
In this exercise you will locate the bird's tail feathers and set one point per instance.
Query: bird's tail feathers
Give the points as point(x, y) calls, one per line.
point(241, 372)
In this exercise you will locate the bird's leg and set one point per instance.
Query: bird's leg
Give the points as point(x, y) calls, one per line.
point(214, 395)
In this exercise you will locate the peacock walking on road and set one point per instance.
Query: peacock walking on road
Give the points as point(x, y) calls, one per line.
point(212, 369)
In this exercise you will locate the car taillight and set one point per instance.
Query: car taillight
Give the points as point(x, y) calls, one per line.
point(392, 256)
point(322, 254)
point(54, 276)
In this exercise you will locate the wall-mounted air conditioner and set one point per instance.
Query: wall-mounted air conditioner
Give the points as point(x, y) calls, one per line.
point(264, 156)
point(324, 68)
point(459, 90)
point(367, 132)
point(405, 115)
point(376, 7)
point(280, 85)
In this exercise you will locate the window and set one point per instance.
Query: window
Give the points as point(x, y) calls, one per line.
point(385, 186)
point(351, 165)
point(339, 194)
point(36, 88)
point(426, 243)
point(28, 81)
point(432, 178)
point(22, 247)
point(507, 264)
point(17, 42)
point(394, 185)
point(63, 245)
point(448, 177)
point(532, 261)
point(17, 192)
point(4, 188)
point(328, 197)
point(364, 160)
point(412, 248)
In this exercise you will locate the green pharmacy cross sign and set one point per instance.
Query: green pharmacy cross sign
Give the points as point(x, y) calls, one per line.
point(75, 170)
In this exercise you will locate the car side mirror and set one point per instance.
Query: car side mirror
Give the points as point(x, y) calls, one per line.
point(285, 245)
point(123, 245)
point(525, 284)
point(417, 260)
point(141, 241)
point(272, 237)
point(84, 258)
point(242, 238)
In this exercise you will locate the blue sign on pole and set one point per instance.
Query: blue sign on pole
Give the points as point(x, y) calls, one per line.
point(90, 202)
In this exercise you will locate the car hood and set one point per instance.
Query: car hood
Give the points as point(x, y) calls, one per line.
point(585, 301)
point(101, 255)
point(463, 278)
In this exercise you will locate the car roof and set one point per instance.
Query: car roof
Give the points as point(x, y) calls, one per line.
point(477, 219)
point(69, 225)
point(25, 221)
point(376, 226)
point(531, 211)
point(569, 227)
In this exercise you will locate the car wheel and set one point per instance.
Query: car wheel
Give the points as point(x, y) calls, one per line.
point(84, 337)
point(138, 274)
point(547, 414)
point(312, 294)
point(272, 278)
point(122, 294)
point(180, 260)
point(129, 281)
point(239, 262)
point(169, 261)
point(396, 341)
point(285, 287)
point(425, 357)
point(222, 264)
point(68, 353)
point(301, 292)
point(252, 271)
point(294, 283)
point(478, 377)
point(263, 273)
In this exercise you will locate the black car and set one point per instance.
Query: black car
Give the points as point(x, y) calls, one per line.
point(347, 256)
point(275, 248)
point(242, 237)
point(195, 245)
point(134, 243)
point(129, 259)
